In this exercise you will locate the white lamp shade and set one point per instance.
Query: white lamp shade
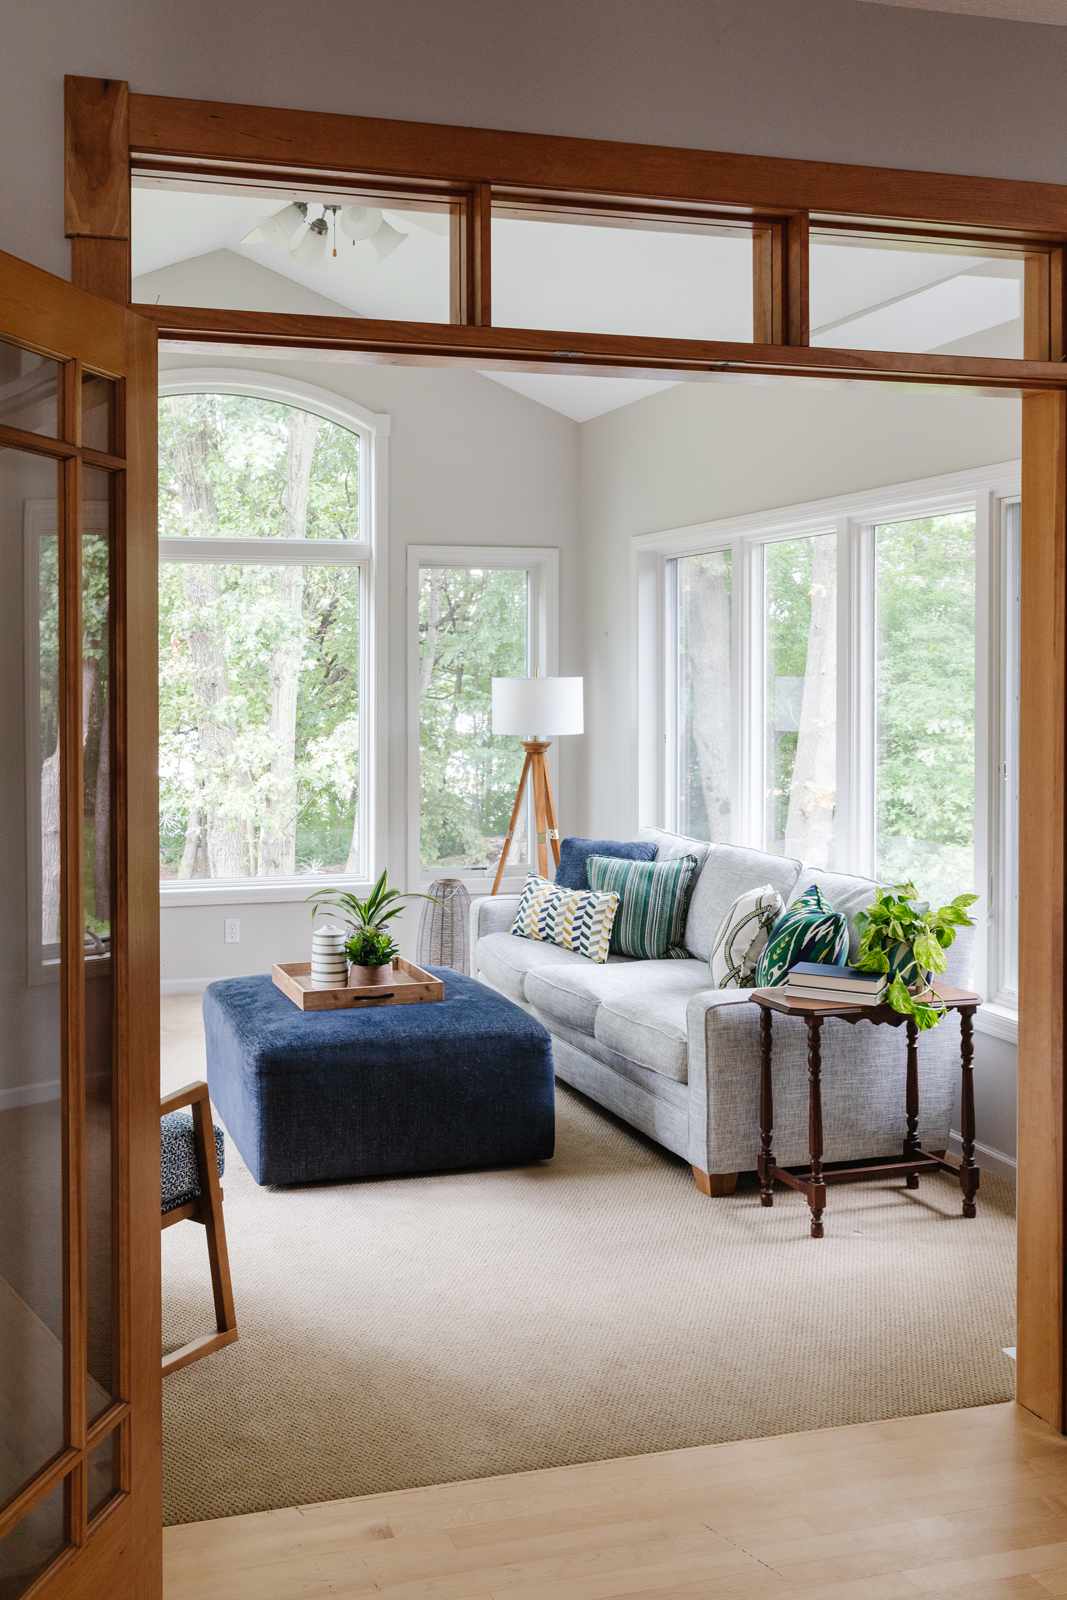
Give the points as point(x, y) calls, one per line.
point(537, 707)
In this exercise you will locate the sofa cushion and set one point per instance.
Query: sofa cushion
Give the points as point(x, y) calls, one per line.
point(571, 919)
point(505, 960)
point(845, 893)
point(654, 900)
point(669, 845)
point(729, 870)
point(574, 856)
point(742, 937)
point(809, 929)
point(572, 995)
point(643, 1016)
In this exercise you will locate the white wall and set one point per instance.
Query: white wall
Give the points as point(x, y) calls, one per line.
point(828, 79)
point(703, 451)
point(469, 463)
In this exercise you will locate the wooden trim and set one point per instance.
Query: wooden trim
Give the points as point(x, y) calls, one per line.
point(102, 266)
point(1037, 287)
point(479, 287)
point(214, 130)
point(535, 347)
point(1043, 925)
point(21, 439)
point(57, 324)
point(768, 280)
point(97, 142)
point(38, 1488)
point(797, 279)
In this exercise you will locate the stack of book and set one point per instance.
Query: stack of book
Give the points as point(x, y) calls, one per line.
point(817, 980)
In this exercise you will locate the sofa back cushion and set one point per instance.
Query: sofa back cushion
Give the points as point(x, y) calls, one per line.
point(729, 870)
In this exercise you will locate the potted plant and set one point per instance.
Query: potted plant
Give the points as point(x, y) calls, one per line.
point(370, 958)
point(902, 937)
point(370, 949)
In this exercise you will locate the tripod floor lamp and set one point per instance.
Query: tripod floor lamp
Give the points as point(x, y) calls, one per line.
point(537, 710)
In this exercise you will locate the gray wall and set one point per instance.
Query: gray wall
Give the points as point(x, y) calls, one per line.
point(828, 79)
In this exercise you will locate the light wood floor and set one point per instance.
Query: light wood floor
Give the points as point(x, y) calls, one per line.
point(968, 1505)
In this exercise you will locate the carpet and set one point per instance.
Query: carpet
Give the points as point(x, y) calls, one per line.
point(422, 1330)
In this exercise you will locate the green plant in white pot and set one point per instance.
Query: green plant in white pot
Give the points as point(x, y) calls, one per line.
point(369, 947)
point(902, 937)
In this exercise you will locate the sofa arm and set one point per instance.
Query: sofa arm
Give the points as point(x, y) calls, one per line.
point(863, 1082)
point(492, 913)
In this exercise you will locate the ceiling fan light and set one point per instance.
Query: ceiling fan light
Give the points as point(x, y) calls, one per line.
point(279, 229)
point(386, 240)
point(437, 222)
point(315, 245)
point(360, 222)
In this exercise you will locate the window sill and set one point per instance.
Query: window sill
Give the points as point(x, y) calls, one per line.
point(282, 891)
point(999, 1022)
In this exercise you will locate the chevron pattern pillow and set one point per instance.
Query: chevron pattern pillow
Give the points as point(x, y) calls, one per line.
point(808, 930)
point(655, 901)
point(574, 919)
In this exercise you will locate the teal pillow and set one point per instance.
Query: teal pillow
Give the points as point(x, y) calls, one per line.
point(808, 930)
point(654, 901)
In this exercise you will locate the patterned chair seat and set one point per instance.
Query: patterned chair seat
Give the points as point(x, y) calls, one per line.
point(179, 1178)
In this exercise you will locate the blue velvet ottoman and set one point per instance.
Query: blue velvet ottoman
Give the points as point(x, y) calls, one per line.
point(314, 1096)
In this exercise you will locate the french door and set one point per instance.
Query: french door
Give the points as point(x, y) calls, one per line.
point(79, 1048)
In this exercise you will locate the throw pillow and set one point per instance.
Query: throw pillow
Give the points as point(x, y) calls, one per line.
point(574, 857)
point(742, 937)
point(808, 930)
point(573, 919)
point(654, 900)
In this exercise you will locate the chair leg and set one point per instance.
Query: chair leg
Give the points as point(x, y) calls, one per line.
point(218, 1255)
point(717, 1184)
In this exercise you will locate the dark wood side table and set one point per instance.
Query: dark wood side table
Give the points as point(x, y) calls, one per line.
point(915, 1159)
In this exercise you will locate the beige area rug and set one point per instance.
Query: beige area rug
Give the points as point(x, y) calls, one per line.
point(421, 1330)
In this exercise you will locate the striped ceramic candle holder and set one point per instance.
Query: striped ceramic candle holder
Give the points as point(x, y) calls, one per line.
point(329, 964)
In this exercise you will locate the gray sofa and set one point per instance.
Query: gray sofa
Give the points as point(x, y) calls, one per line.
point(654, 1043)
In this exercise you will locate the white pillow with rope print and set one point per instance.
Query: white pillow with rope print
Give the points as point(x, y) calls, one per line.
point(742, 937)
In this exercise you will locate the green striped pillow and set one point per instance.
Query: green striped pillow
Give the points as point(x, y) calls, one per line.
point(654, 899)
point(808, 930)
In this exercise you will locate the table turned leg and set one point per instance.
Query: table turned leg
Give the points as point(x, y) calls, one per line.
point(969, 1173)
point(765, 1159)
point(816, 1186)
point(911, 1106)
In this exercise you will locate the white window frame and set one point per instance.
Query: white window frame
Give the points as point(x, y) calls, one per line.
point(985, 491)
point(368, 556)
point(541, 563)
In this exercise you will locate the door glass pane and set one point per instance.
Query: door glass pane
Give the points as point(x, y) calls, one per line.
point(33, 1544)
point(96, 909)
point(31, 1209)
point(925, 669)
point(800, 699)
point(29, 390)
point(588, 274)
point(704, 737)
point(233, 466)
point(98, 412)
point(259, 719)
point(104, 1472)
point(473, 627)
point(328, 252)
point(877, 294)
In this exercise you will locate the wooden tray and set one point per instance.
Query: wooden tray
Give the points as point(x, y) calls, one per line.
point(410, 986)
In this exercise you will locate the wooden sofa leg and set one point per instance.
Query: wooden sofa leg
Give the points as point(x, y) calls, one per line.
point(715, 1183)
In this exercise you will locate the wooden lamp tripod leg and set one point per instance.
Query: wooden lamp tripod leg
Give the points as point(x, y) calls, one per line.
point(502, 863)
point(550, 814)
point(540, 785)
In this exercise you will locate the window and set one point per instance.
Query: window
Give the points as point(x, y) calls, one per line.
point(265, 506)
point(474, 614)
point(841, 685)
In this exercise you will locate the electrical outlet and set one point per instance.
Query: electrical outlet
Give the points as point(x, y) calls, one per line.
point(232, 930)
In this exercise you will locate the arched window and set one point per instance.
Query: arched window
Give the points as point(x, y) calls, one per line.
point(267, 506)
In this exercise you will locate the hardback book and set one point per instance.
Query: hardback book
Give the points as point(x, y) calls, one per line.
point(836, 997)
point(826, 975)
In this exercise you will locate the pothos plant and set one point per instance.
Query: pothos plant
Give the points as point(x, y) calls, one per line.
point(902, 937)
point(369, 943)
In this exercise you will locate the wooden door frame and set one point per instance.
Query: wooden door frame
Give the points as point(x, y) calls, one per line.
point(111, 132)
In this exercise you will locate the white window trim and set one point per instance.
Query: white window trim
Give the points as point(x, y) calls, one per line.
point(542, 563)
point(370, 555)
point(853, 518)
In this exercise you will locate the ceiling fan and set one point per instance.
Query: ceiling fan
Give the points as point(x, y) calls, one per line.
point(313, 238)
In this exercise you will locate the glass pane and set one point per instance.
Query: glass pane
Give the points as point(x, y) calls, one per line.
point(1009, 890)
point(96, 908)
point(105, 1468)
point(29, 390)
point(31, 1240)
point(800, 705)
point(98, 412)
point(328, 252)
point(259, 719)
point(473, 627)
point(705, 731)
point(585, 274)
point(235, 467)
point(875, 294)
point(33, 1544)
point(925, 666)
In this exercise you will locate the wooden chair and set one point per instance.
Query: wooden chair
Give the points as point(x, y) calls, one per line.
point(191, 1166)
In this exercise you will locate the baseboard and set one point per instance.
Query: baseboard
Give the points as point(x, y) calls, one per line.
point(988, 1156)
point(29, 1094)
point(184, 985)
